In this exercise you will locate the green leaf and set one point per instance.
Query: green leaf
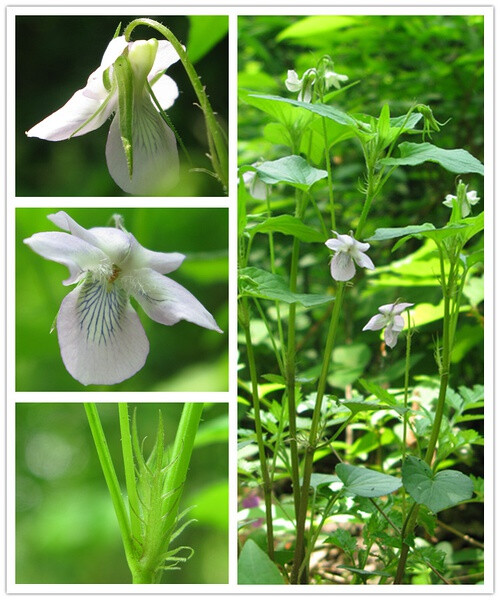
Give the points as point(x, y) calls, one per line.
point(343, 539)
point(323, 110)
point(293, 170)
point(383, 125)
point(367, 483)
point(255, 567)
point(289, 226)
point(456, 161)
point(280, 111)
point(315, 26)
point(319, 480)
point(408, 122)
point(389, 233)
point(204, 33)
point(125, 81)
point(262, 284)
point(436, 490)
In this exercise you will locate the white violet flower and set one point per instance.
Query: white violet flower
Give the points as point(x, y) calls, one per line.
point(389, 317)
point(335, 79)
point(256, 187)
point(469, 199)
point(100, 335)
point(141, 150)
point(303, 86)
point(347, 251)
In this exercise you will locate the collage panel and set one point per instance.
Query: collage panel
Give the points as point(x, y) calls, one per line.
point(162, 79)
point(121, 493)
point(134, 299)
point(361, 300)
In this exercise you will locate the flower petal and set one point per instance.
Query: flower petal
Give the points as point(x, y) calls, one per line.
point(375, 323)
point(68, 250)
point(100, 335)
point(400, 307)
point(360, 246)
point(120, 246)
point(398, 323)
point(390, 337)
point(69, 119)
point(386, 309)
point(363, 260)
point(114, 49)
point(293, 83)
point(166, 56)
point(342, 267)
point(166, 91)
point(115, 243)
point(155, 156)
point(335, 244)
point(167, 302)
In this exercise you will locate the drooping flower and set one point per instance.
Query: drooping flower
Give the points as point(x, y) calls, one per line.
point(141, 150)
point(466, 200)
point(335, 79)
point(347, 251)
point(389, 317)
point(304, 85)
point(256, 187)
point(100, 335)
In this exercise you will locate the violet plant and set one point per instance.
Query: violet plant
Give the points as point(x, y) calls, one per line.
point(293, 426)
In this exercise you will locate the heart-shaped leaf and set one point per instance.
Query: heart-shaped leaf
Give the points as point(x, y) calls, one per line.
point(367, 483)
point(436, 490)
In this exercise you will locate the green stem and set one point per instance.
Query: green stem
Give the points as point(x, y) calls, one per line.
point(405, 416)
point(446, 285)
point(111, 481)
point(258, 431)
point(309, 457)
point(290, 364)
point(329, 171)
point(129, 465)
point(215, 135)
point(370, 194)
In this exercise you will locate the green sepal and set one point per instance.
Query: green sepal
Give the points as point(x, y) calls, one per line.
point(125, 81)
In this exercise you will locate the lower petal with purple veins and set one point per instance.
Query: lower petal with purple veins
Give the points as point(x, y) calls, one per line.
point(101, 338)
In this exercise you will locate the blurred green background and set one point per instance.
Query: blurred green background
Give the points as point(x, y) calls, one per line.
point(183, 357)
point(54, 57)
point(66, 529)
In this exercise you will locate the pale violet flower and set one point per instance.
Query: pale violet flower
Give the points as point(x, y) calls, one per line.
point(389, 317)
point(347, 251)
point(303, 86)
point(100, 335)
point(468, 199)
point(256, 187)
point(152, 158)
point(334, 79)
